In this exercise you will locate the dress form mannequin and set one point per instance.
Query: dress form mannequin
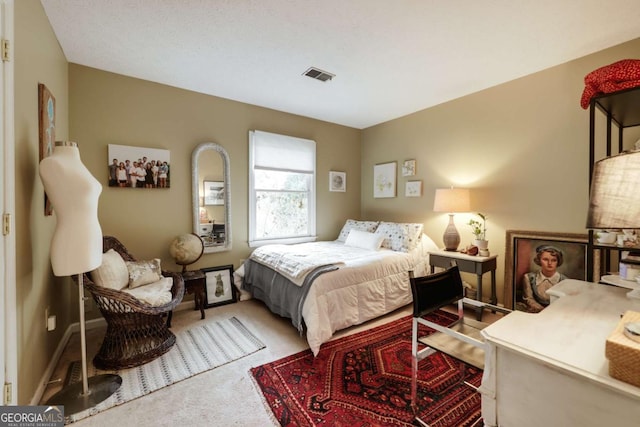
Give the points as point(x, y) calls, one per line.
point(76, 246)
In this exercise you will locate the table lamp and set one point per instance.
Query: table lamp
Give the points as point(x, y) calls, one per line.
point(451, 200)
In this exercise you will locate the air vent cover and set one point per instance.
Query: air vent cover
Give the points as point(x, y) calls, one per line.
point(316, 73)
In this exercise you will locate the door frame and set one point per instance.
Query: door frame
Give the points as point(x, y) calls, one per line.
point(8, 309)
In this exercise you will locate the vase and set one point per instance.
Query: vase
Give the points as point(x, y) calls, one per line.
point(482, 244)
point(451, 237)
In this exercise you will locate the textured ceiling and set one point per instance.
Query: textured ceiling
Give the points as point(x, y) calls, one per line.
point(391, 58)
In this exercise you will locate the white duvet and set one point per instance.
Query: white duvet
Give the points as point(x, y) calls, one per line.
point(362, 288)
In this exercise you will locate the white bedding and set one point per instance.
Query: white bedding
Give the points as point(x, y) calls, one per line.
point(367, 284)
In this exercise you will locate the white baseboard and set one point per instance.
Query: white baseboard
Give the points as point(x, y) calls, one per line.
point(74, 327)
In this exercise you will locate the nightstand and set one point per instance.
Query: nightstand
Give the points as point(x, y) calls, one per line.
point(194, 283)
point(469, 264)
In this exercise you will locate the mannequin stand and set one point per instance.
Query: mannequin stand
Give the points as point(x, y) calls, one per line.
point(83, 395)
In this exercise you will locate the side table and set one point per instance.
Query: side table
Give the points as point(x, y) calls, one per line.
point(194, 283)
point(469, 264)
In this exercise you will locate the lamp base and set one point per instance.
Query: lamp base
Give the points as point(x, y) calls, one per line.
point(451, 237)
point(74, 400)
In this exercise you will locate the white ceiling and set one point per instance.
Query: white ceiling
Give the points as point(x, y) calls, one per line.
point(390, 57)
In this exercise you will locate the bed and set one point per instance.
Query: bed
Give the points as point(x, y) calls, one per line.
point(331, 285)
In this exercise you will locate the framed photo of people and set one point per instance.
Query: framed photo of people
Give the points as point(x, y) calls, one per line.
point(138, 167)
point(536, 261)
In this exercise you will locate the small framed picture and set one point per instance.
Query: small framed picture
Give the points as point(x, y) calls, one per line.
point(413, 189)
point(409, 168)
point(219, 289)
point(213, 192)
point(337, 181)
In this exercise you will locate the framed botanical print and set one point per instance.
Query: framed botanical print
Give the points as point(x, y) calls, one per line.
point(384, 180)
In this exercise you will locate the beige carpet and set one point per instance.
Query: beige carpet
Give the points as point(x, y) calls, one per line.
point(198, 349)
point(224, 396)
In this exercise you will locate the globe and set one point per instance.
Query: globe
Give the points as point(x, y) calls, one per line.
point(186, 249)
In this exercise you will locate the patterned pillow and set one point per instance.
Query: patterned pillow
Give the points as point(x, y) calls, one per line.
point(401, 237)
point(143, 272)
point(352, 224)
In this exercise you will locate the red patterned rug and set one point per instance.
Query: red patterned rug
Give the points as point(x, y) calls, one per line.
point(365, 380)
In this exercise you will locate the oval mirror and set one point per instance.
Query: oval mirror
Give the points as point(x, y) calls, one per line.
point(211, 196)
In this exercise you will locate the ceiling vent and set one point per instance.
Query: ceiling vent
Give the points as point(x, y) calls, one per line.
point(316, 73)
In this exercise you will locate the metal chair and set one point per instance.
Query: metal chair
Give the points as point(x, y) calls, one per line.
point(461, 339)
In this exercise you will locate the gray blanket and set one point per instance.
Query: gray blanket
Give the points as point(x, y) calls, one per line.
point(279, 294)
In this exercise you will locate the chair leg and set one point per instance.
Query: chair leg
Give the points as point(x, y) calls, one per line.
point(414, 366)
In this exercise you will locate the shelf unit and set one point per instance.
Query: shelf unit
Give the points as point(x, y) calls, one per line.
point(622, 110)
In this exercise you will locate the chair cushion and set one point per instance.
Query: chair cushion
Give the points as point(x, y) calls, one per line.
point(143, 272)
point(155, 294)
point(112, 273)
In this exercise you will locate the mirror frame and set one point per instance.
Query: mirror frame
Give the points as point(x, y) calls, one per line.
point(195, 195)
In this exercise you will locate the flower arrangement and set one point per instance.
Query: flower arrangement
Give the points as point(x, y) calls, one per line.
point(479, 229)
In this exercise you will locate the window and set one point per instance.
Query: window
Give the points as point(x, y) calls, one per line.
point(282, 185)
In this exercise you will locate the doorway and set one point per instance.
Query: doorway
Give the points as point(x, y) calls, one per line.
point(8, 332)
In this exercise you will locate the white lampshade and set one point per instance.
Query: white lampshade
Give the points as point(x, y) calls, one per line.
point(615, 192)
point(452, 200)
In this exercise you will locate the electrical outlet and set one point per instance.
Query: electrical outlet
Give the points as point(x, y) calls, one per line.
point(88, 304)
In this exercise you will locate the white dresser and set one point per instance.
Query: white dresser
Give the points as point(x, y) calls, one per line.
point(549, 368)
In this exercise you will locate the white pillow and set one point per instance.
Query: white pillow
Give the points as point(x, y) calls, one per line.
point(155, 294)
point(401, 237)
point(143, 272)
point(112, 273)
point(364, 240)
point(352, 224)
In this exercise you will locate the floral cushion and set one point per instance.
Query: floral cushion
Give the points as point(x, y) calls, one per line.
point(143, 272)
point(352, 224)
point(401, 237)
point(112, 273)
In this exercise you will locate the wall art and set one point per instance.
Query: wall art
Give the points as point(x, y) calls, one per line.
point(139, 167)
point(384, 180)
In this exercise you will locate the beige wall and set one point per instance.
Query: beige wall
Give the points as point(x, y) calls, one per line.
point(107, 108)
point(521, 146)
point(38, 59)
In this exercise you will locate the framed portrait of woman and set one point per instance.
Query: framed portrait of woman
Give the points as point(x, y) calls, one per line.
point(536, 261)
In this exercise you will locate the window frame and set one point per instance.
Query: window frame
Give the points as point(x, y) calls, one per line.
point(311, 199)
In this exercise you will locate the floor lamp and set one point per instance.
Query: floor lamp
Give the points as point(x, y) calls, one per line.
point(76, 248)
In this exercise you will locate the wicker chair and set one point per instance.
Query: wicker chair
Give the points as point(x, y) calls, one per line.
point(136, 332)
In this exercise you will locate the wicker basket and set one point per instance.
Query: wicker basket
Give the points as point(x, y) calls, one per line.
point(624, 353)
